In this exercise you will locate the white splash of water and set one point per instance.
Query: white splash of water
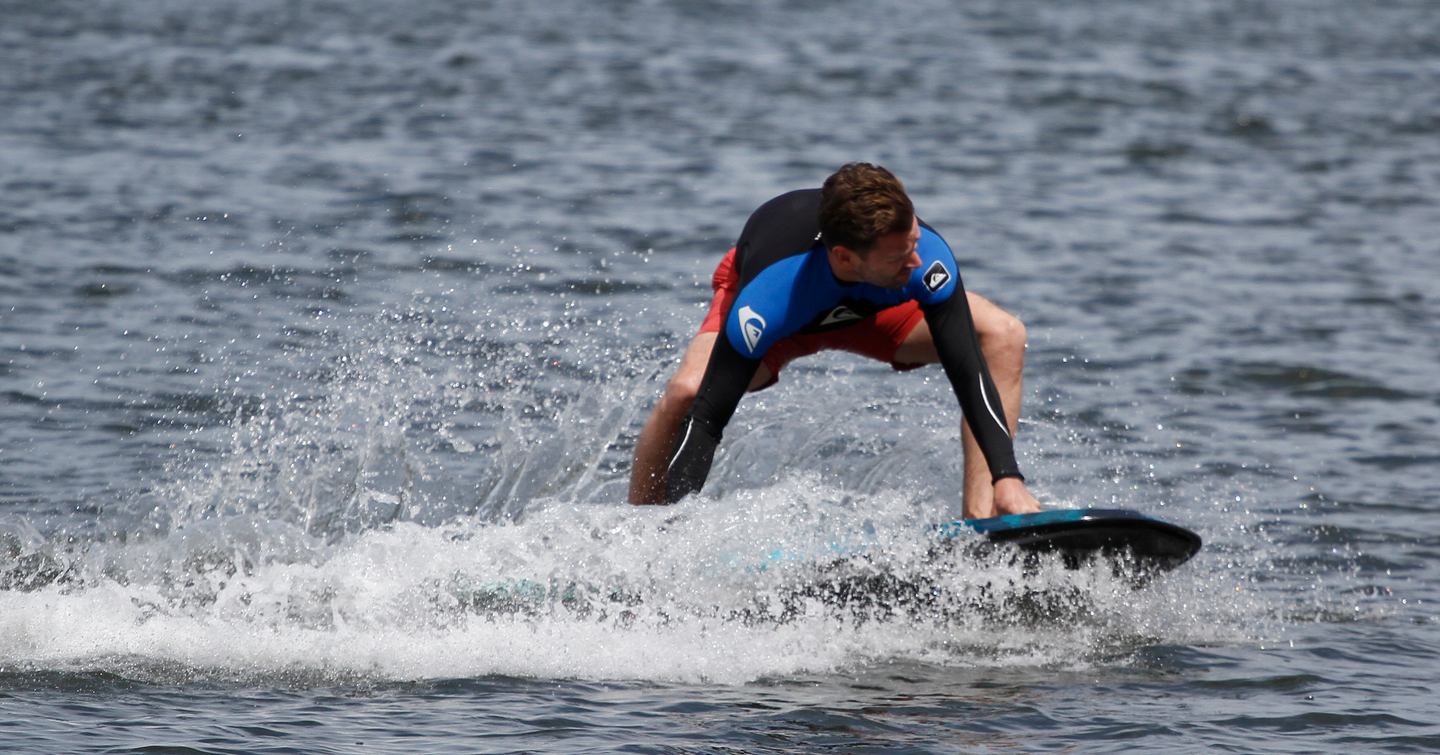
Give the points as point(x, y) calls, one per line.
point(761, 584)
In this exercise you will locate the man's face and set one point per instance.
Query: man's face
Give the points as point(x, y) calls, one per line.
point(892, 259)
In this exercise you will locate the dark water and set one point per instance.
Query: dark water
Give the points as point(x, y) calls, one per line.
point(327, 329)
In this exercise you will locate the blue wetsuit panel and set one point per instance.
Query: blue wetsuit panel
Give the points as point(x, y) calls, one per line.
point(797, 293)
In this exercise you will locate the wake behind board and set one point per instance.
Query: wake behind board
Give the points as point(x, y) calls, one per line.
point(1151, 544)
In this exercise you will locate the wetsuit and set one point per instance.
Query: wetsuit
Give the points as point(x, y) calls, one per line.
point(787, 287)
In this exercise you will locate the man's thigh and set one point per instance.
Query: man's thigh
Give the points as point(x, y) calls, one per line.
point(919, 347)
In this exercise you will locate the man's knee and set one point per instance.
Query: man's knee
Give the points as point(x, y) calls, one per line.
point(680, 392)
point(1002, 331)
point(684, 385)
point(1012, 332)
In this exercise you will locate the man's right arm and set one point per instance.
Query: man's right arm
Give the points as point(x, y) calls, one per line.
point(727, 376)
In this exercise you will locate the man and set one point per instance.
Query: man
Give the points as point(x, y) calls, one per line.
point(848, 266)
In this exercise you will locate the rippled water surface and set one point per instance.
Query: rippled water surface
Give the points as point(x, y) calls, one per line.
point(326, 331)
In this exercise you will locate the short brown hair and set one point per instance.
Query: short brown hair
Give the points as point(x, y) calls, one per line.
point(860, 203)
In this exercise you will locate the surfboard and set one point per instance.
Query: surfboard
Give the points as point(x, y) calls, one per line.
point(1151, 545)
point(860, 579)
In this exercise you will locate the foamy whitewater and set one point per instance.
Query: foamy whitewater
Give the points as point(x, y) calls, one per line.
point(586, 592)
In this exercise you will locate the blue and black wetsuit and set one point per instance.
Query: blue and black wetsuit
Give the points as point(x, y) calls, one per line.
point(787, 287)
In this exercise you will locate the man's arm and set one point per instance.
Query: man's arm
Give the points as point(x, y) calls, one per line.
point(727, 376)
point(953, 332)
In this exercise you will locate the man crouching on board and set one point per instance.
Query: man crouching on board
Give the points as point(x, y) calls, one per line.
point(848, 266)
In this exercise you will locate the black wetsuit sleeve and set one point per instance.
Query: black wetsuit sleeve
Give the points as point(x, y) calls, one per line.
point(726, 377)
point(953, 330)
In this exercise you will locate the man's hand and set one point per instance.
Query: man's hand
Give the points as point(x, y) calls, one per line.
point(1011, 497)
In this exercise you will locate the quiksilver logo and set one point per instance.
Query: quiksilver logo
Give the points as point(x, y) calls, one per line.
point(936, 277)
point(841, 313)
point(751, 326)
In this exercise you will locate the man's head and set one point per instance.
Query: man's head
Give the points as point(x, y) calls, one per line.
point(868, 224)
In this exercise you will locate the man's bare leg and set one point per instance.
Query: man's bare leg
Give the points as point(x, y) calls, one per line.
point(656, 441)
point(1002, 341)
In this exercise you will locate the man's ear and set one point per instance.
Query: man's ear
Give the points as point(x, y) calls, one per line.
point(845, 262)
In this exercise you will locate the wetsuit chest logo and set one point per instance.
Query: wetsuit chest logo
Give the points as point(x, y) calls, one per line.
point(841, 313)
point(751, 326)
point(936, 277)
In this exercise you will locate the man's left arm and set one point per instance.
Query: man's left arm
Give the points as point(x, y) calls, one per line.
point(953, 331)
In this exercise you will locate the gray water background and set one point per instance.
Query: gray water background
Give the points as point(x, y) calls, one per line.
point(319, 320)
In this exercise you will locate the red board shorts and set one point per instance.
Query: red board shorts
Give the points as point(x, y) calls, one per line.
point(877, 336)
